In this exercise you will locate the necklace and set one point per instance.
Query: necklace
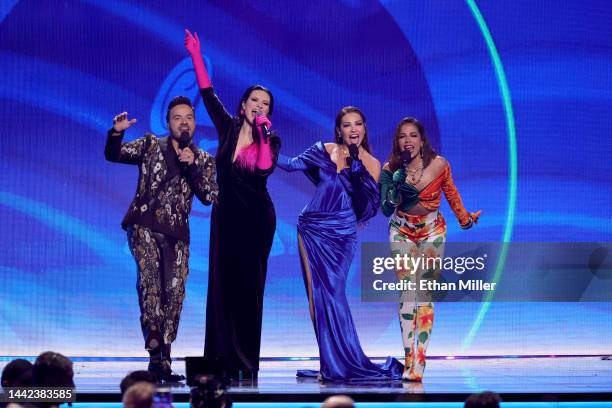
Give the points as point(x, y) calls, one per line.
point(415, 170)
point(412, 174)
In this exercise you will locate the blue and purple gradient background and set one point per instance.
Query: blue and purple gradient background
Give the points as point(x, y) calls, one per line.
point(67, 281)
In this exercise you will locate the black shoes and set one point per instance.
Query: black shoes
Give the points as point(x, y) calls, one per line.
point(164, 373)
point(159, 360)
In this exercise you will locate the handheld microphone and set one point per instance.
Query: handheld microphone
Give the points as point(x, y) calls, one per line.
point(354, 151)
point(266, 132)
point(184, 141)
point(405, 157)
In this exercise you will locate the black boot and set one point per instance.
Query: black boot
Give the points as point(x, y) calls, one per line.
point(153, 344)
point(165, 370)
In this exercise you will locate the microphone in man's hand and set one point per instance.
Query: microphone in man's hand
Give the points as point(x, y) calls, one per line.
point(406, 157)
point(354, 151)
point(184, 141)
point(264, 129)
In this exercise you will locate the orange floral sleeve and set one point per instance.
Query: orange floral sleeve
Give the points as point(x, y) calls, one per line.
point(454, 199)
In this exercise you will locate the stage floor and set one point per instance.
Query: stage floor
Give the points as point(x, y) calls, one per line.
point(517, 379)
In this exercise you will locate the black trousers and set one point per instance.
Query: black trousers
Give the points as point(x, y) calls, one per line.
point(162, 264)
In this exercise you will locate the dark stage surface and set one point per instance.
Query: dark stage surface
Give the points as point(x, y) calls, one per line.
point(519, 379)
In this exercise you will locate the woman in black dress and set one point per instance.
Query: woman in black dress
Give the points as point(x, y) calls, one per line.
point(243, 223)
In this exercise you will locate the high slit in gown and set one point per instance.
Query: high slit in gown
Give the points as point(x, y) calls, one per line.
point(327, 236)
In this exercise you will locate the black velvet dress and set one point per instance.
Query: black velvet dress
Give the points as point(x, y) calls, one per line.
point(241, 233)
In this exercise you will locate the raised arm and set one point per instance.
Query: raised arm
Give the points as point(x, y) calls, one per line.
point(118, 152)
point(192, 44)
point(217, 112)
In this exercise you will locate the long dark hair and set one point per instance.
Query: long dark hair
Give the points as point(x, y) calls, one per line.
point(246, 95)
point(340, 115)
point(427, 152)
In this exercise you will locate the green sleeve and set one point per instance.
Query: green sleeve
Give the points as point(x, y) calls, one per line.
point(387, 189)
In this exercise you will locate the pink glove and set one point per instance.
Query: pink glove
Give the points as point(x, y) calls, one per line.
point(192, 44)
point(262, 120)
point(264, 158)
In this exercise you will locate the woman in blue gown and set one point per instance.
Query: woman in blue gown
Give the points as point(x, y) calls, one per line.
point(345, 174)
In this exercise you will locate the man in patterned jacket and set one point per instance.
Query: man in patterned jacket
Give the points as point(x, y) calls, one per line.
point(171, 171)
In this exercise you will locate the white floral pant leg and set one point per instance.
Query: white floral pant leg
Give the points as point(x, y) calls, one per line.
point(416, 310)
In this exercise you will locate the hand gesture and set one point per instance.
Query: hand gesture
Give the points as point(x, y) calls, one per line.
point(121, 122)
point(192, 43)
point(475, 216)
point(472, 221)
point(186, 156)
point(399, 176)
point(262, 120)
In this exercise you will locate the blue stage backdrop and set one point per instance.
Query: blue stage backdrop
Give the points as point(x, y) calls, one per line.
point(518, 98)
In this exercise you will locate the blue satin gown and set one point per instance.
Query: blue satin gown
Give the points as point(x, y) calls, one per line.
point(328, 230)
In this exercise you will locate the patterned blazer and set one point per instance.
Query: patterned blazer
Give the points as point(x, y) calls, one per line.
point(165, 191)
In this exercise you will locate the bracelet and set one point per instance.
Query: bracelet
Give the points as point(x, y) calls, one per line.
point(469, 224)
point(390, 201)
